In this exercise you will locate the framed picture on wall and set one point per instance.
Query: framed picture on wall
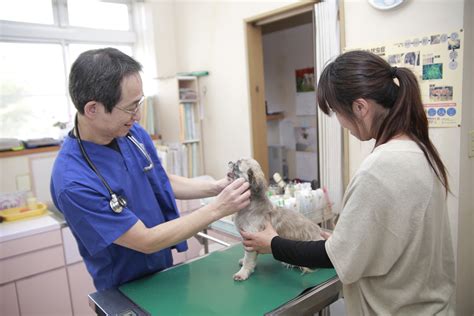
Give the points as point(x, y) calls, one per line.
point(304, 79)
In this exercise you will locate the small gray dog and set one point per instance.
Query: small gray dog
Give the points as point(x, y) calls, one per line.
point(287, 223)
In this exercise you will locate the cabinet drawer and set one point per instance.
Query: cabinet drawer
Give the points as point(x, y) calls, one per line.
point(9, 300)
point(31, 263)
point(45, 294)
point(31, 243)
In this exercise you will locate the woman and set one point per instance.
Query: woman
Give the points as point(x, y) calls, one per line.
point(391, 247)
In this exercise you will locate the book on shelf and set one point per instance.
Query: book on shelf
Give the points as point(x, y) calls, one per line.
point(187, 94)
point(195, 160)
point(188, 117)
point(182, 123)
point(190, 160)
point(147, 119)
point(187, 122)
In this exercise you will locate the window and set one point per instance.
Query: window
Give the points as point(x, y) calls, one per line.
point(39, 11)
point(37, 48)
point(98, 14)
point(33, 93)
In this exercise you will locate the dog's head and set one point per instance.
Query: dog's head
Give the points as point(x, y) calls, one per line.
point(250, 170)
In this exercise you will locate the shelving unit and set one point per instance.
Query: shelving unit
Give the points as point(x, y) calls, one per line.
point(190, 118)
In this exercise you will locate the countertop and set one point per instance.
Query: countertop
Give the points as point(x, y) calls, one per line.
point(26, 227)
point(54, 219)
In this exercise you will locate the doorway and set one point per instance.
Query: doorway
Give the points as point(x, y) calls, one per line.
point(283, 102)
point(290, 99)
point(329, 166)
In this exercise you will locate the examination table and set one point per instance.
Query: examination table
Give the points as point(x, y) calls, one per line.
point(204, 286)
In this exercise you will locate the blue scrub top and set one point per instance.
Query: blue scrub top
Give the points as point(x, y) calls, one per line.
point(84, 200)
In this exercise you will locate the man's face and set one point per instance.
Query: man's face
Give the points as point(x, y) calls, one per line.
point(126, 112)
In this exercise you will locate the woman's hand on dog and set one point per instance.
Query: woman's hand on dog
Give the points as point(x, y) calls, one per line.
point(261, 242)
point(233, 198)
point(325, 234)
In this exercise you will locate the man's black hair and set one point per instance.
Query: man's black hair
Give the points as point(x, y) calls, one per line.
point(96, 75)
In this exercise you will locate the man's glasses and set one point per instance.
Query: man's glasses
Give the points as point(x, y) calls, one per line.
point(137, 108)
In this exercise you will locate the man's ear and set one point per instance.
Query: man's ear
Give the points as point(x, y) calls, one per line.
point(90, 109)
point(360, 108)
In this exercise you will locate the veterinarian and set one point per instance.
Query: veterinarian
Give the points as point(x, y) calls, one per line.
point(391, 246)
point(109, 183)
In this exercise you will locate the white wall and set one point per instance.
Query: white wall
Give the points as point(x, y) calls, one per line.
point(209, 35)
point(465, 278)
point(365, 25)
point(28, 173)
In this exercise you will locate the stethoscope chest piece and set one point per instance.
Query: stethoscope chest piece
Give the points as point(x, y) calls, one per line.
point(117, 203)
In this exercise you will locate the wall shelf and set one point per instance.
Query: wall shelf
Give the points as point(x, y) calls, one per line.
point(23, 152)
point(190, 141)
point(275, 116)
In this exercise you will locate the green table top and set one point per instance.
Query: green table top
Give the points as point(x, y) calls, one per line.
point(206, 287)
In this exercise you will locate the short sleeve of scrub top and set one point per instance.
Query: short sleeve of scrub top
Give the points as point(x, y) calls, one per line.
point(90, 213)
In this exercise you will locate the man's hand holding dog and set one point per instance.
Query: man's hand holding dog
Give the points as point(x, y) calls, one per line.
point(221, 184)
point(234, 197)
point(261, 242)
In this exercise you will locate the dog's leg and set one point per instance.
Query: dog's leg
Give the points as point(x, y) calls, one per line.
point(248, 265)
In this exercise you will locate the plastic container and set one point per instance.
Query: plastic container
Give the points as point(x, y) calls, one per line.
point(16, 213)
point(12, 199)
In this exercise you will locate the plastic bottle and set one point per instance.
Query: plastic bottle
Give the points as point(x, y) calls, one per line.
point(31, 202)
point(279, 181)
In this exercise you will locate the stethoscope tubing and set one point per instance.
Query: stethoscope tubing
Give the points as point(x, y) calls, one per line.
point(117, 202)
point(143, 151)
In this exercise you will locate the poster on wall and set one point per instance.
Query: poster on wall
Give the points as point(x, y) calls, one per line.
point(305, 95)
point(304, 79)
point(437, 61)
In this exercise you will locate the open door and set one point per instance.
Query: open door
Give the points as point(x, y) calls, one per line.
point(331, 161)
point(256, 75)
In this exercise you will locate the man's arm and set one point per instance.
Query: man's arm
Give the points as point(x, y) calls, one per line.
point(148, 240)
point(186, 188)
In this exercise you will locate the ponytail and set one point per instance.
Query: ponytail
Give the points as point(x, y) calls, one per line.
point(360, 74)
point(407, 115)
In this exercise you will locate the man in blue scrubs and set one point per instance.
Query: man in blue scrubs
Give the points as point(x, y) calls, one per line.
point(107, 155)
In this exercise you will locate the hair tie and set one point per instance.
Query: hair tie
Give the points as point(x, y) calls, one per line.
point(393, 72)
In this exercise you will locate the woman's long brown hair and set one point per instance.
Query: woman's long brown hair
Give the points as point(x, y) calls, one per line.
point(360, 74)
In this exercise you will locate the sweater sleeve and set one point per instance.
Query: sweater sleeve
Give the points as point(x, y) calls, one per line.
point(311, 254)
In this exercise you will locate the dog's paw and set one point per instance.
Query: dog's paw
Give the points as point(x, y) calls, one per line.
point(241, 276)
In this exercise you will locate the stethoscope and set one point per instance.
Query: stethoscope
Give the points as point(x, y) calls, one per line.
point(117, 202)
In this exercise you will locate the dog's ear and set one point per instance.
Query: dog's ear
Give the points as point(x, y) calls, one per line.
point(255, 187)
